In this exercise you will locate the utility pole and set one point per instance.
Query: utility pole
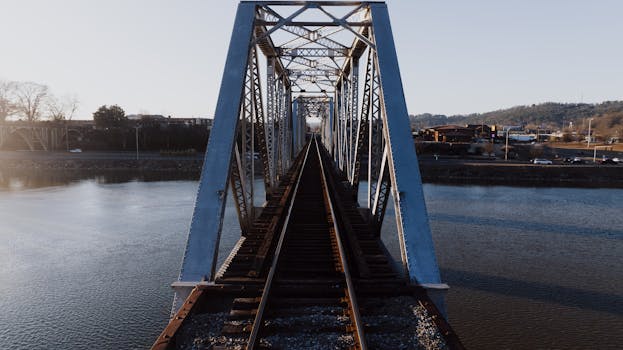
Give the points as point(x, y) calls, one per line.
point(136, 127)
point(588, 145)
point(66, 136)
point(506, 147)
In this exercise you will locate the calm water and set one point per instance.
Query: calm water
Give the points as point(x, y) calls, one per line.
point(87, 263)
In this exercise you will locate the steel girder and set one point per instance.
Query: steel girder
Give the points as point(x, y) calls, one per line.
point(199, 261)
point(362, 132)
point(312, 52)
point(411, 216)
point(271, 109)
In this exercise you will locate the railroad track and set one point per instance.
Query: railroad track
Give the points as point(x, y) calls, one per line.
point(308, 298)
point(290, 284)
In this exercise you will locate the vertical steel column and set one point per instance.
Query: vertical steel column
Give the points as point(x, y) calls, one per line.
point(346, 120)
point(375, 135)
point(336, 126)
point(299, 114)
point(344, 125)
point(271, 116)
point(259, 122)
point(280, 127)
point(242, 172)
point(329, 134)
point(302, 131)
point(295, 125)
point(362, 130)
point(289, 128)
point(200, 257)
point(411, 216)
point(354, 116)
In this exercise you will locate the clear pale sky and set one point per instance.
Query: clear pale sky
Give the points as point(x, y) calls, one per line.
point(166, 57)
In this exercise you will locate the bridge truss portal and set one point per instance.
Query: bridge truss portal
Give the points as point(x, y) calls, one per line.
point(290, 62)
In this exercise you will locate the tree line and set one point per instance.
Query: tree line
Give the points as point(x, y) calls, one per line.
point(34, 102)
point(115, 132)
point(30, 101)
point(569, 117)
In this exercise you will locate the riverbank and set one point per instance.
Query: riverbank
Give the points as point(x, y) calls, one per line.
point(100, 161)
point(442, 171)
point(522, 174)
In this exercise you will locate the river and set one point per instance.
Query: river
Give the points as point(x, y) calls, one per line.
point(86, 262)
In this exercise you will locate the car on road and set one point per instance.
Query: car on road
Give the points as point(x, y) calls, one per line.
point(542, 161)
point(609, 161)
point(577, 160)
point(617, 159)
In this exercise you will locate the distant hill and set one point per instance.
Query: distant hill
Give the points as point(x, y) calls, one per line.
point(608, 117)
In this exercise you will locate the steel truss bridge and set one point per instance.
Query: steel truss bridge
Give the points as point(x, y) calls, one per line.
point(315, 240)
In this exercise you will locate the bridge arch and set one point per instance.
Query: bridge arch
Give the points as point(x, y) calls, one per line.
point(35, 137)
point(9, 134)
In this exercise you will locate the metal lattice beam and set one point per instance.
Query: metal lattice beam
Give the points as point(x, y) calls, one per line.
point(312, 72)
point(199, 262)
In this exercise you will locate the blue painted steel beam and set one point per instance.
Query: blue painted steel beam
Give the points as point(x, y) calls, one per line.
point(200, 257)
point(295, 126)
point(411, 215)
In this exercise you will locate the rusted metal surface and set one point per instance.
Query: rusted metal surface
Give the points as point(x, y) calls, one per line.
point(166, 339)
point(197, 301)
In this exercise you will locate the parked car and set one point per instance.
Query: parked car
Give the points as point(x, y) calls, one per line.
point(617, 159)
point(542, 161)
point(577, 160)
point(609, 161)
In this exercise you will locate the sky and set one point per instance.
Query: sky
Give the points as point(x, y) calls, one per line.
point(456, 57)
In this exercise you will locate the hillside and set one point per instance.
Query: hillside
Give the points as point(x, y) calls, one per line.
point(608, 117)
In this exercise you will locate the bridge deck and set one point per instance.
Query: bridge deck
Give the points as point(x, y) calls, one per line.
point(296, 280)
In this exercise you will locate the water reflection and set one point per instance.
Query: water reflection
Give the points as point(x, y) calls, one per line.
point(88, 266)
point(550, 293)
point(526, 224)
point(17, 179)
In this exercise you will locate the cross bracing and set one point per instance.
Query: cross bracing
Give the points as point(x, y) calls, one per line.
point(289, 61)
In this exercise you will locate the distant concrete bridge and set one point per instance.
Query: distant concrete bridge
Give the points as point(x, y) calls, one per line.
point(37, 137)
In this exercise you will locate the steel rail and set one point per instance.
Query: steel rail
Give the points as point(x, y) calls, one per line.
point(257, 322)
point(352, 300)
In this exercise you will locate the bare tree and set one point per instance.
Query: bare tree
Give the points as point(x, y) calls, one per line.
point(7, 105)
point(62, 108)
point(29, 99)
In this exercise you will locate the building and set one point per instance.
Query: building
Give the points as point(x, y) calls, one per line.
point(483, 131)
point(448, 133)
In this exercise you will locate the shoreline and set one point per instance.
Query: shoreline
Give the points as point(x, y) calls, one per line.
point(522, 174)
point(445, 171)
